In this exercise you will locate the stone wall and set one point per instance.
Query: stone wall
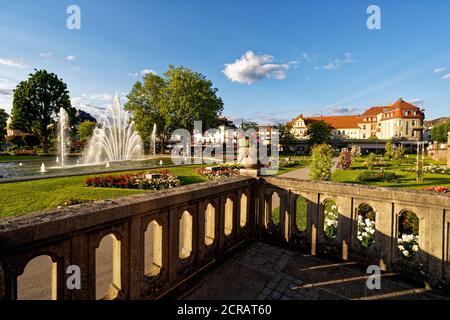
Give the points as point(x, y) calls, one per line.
point(195, 226)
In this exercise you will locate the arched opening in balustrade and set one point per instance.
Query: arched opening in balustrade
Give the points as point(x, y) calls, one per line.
point(408, 234)
point(301, 213)
point(330, 221)
point(210, 225)
point(366, 225)
point(185, 234)
point(107, 268)
point(153, 249)
point(38, 280)
point(275, 208)
point(228, 217)
point(244, 204)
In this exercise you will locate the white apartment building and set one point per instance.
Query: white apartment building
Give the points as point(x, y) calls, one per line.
point(401, 120)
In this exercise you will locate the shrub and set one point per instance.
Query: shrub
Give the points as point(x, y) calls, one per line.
point(366, 226)
point(331, 214)
point(370, 161)
point(345, 160)
point(321, 162)
point(398, 155)
point(289, 163)
point(377, 176)
point(408, 243)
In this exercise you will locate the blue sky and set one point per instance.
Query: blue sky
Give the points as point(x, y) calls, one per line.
point(270, 60)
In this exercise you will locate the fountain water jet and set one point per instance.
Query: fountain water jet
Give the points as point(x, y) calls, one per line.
point(43, 170)
point(63, 136)
point(153, 141)
point(115, 139)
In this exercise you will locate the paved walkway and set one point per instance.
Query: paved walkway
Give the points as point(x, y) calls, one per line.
point(303, 173)
point(265, 272)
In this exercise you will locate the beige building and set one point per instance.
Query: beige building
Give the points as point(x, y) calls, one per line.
point(401, 120)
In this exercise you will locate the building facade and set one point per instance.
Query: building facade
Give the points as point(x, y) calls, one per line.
point(401, 120)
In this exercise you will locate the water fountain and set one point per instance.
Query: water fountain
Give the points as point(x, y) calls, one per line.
point(63, 136)
point(153, 141)
point(43, 170)
point(115, 139)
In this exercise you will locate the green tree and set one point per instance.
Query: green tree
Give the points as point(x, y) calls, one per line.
point(388, 153)
point(439, 133)
point(398, 155)
point(247, 124)
point(286, 136)
point(85, 130)
point(319, 132)
point(36, 102)
point(172, 101)
point(371, 161)
point(3, 120)
point(322, 155)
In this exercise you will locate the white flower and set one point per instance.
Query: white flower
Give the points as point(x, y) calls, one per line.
point(364, 234)
point(401, 248)
point(372, 231)
point(406, 253)
point(400, 241)
point(360, 238)
point(333, 207)
point(415, 248)
point(368, 222)
point(360, 218)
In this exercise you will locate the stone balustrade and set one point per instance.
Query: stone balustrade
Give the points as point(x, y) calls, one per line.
point(160, 240)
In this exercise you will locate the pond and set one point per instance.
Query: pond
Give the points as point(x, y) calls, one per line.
point(32, 168)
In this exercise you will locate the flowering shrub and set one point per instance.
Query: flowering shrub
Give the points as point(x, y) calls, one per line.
point(366, 226)
point(321, 162)
point(135, 181)
point(345, 160)
point(377, 176)
point(438, 169)
point(331, 219)
point(408, 243)
point(440, 189)
point(221, 171)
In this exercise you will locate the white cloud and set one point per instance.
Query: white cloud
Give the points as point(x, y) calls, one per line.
point(439, 70)
point(309, 56)
point(71, 58)
point(446, 77)
point(13, 63)
point(341, 109)
point(337, 63)
point(6, 87)
point(252, 67)
point(141, 73)
point(96, 103)
point(45, 55)
point(417, 102)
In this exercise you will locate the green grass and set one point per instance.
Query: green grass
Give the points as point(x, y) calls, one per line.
point(406, 180)
point(21, 198)
point(304, 161)
point(301, 214)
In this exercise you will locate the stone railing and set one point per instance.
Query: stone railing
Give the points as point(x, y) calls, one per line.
point(160, 240)
point(430, 263)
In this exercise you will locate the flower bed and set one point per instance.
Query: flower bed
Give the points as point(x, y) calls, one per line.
point(440, 189)
point(377, 176)
point(289, 163)
point(408, 243)
point(162, 180)
point(220, 171)
point(437, 169)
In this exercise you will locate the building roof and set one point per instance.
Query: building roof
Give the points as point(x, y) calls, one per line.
point(338, 122)
point(373, 111)
point(400, 104)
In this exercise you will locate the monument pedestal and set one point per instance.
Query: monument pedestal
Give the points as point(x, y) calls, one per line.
point(250, 172)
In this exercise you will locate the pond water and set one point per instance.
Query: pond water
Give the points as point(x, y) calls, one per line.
point(32, 168)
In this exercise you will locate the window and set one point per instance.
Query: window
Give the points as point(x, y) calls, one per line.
point(364, 127)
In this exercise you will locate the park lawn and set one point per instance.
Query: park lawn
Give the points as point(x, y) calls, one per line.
point(406, 180)
point(301, 214)
point(303, 162)
point(19, 198)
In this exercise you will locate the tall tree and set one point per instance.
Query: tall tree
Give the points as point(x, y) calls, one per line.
point(85, 130)
point(319, 132)
point(36, 104)
point(248, 124)
point(173, 101)
point(285, 133)
point(3, 120)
